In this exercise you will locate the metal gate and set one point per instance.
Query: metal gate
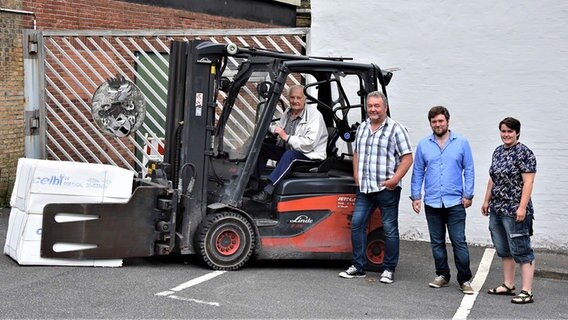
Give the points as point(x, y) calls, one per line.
point(72, 64)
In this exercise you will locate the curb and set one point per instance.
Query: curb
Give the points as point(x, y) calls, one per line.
point(548, 274)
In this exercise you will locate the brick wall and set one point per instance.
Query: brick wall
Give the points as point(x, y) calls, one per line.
point(68, 14)
point(108, 14)
point(11, 95)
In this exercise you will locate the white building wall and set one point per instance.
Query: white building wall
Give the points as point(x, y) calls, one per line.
point(485, 60)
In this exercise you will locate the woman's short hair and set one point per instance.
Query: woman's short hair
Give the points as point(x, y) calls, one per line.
point(512, 124)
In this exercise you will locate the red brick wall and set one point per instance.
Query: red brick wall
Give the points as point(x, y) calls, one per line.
point(11, 96)
point(72, 14)
point(109, 14)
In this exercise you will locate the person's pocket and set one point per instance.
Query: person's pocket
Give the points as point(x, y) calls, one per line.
point(520, 237)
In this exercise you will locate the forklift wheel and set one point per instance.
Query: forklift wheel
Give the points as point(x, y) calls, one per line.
point(226, 241)
point(375, 251)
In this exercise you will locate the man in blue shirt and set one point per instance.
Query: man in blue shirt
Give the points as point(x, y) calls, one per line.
point(444, 164)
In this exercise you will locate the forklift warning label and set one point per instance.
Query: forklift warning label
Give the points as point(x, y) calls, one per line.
point(345, 202)
point(198, 103)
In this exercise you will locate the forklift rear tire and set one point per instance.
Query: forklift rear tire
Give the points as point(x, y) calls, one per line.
point(225, 241)
point(375, 251)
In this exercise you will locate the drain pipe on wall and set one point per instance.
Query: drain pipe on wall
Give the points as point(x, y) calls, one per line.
point(20, 12)
point(32, 44)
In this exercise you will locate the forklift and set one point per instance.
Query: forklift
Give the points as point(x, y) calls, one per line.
point(194, 201)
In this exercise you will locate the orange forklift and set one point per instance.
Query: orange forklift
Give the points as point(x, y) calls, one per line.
point(194, 202)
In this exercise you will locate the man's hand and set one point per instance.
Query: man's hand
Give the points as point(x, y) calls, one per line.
point(466, 202)
point(281, 133)
point(390, 184)
point(416, 204)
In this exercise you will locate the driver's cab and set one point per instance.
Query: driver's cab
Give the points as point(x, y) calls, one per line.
point(257, 98)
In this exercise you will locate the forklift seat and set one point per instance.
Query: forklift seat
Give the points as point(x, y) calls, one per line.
point(323, 166)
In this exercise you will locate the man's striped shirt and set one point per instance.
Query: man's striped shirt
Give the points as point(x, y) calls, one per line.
point(379, 153)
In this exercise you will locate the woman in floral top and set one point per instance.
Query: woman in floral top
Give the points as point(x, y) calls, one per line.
point(509, 206)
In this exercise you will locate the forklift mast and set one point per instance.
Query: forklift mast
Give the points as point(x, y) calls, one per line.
point(194, 77)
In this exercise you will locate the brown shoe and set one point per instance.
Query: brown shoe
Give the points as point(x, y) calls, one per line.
point(466, 288)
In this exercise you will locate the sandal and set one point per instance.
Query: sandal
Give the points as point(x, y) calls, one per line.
point(508, 292)
point(523, 297)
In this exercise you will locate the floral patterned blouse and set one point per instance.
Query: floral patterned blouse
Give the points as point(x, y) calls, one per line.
point(507, 165)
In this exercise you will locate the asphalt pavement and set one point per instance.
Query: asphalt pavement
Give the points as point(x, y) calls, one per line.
point(168, 287)
point(549, 264)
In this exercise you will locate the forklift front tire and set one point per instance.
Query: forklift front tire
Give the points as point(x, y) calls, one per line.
point(226, 241)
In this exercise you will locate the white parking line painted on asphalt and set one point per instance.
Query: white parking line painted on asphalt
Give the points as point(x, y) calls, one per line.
point(476, 284)
point(215, 304)
point(191, 283)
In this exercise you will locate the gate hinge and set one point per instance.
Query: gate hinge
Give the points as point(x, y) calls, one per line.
point(32, 43)
point(31, 119)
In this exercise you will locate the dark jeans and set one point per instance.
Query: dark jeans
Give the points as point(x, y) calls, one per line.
point(285, 158)
point(453, 219)
point(387, 201)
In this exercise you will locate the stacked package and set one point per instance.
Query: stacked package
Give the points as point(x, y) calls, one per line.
point(39, 182)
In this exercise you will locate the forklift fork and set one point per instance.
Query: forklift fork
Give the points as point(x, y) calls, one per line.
point(106, 230)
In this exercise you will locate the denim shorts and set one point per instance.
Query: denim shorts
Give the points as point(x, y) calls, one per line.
point(512, 238)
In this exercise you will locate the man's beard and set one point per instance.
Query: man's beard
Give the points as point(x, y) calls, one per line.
point(441, 134)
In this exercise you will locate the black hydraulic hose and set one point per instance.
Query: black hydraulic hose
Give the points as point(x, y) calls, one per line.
point(177, 155)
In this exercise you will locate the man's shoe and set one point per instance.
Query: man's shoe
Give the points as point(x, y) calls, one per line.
point(439, 281)
point(262, 197)
point(249, 192)
point(466, 288)
point(352, 272)
point(252, 188)
point(387, 276)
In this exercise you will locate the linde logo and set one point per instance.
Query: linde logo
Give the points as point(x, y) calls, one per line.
point(344, 198)
point(302, 219)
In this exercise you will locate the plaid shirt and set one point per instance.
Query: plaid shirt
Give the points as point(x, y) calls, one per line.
point(379, 153)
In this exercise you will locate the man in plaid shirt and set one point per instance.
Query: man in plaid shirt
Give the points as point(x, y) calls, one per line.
point(382, 156)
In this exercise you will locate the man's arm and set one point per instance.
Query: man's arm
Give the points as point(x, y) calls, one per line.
point(418, 171)
point(404, 165)
point(313, 136)
point(280, 125)
point(468, 172)
point(356, 168)
point(417, 179)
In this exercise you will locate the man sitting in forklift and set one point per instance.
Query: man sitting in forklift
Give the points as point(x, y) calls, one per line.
point(301, 137)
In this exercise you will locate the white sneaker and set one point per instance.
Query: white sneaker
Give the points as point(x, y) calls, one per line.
point(439, 281)
point(466, 288)
point(387, 276)
point(352, 272)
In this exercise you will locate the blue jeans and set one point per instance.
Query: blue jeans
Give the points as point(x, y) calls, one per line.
point(452, 218)
point(512, 238)
point(286, 158)
point(365, 203)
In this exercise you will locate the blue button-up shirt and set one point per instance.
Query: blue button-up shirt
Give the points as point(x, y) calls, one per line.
point(447, 174)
